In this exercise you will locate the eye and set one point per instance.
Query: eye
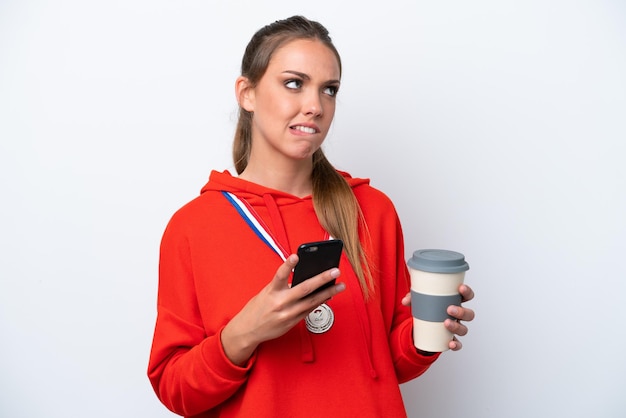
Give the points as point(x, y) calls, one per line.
point(331, 90)
point(293, 84)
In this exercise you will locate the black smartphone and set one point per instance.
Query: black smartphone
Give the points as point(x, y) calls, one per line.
point(315, 258)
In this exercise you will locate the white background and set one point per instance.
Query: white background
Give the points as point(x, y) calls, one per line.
point(497, 127)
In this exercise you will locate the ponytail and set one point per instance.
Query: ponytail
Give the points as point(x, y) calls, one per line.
point(339, 213)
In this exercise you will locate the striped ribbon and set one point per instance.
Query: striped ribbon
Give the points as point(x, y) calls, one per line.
point(257, 225)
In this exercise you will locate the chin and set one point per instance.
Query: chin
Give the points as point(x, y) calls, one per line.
point(304, 154)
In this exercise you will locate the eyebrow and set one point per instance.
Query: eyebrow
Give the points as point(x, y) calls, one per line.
point(307, 77)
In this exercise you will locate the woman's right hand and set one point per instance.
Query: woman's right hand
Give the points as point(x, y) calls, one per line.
point(275, 310)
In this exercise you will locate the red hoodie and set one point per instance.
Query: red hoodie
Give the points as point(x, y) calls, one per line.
point(212, 264)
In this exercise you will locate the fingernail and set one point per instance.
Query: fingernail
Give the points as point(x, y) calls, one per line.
point(453, 310)
point(334, 273)
point(341, 287)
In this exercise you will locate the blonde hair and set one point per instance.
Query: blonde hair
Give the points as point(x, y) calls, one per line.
point(333, 199)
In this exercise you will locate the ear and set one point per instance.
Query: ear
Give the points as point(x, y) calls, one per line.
point(245, 93)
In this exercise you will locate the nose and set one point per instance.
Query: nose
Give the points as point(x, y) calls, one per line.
point(312, 105)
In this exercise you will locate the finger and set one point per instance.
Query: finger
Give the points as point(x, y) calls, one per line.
point(406, 300)
point(466, 292)
point(455, 345)
point(460, 313)
point(281, 278)
point(309, 303)
point(455, 327)
point(309, 286)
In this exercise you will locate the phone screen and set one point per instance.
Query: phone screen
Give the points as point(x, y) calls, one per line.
point(315, 258)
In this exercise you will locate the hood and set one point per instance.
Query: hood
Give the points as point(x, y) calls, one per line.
point(253, 193)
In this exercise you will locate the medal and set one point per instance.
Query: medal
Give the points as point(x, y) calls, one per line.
point(320, 320)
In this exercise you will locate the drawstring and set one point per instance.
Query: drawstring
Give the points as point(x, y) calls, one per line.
point(277, 220)
point(366, 331)
point(306, 342)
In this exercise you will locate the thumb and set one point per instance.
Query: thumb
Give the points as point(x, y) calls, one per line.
point(406, 300)
point(281, 278)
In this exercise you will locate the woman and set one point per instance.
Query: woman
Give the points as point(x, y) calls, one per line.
point(231, 336)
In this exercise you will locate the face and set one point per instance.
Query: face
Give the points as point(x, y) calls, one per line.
point(294, 102)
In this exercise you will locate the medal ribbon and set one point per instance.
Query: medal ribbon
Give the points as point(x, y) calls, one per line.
point(257, 224)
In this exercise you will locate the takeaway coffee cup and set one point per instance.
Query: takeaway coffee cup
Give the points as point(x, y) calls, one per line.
point(435, 279)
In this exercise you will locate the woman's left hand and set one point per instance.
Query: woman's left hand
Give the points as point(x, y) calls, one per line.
point(461, 314)
point(458, 312)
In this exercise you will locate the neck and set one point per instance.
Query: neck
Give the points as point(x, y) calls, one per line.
point(294, 179)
